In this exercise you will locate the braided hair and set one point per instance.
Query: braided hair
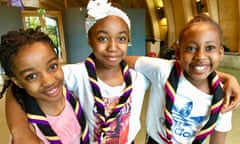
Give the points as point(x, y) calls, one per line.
point(11, 44)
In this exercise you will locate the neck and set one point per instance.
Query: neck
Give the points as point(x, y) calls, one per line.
point(202, 85)
point(110, 76)
point(52, 108)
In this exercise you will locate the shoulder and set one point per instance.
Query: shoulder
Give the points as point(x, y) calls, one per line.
point(139, 78)
point(74, 69)
point(76, 66)
point(74, 74)
point(153, 64)
point(154, 69)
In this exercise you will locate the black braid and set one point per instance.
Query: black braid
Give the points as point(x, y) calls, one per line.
point(6, 84)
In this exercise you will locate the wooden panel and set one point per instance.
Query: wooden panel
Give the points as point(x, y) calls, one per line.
point(230, 35)
point(229, 21)
point(52, 4)
point(31, 3)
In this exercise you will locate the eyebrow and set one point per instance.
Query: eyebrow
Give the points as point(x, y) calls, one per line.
point(105, 32)
point(30, 69)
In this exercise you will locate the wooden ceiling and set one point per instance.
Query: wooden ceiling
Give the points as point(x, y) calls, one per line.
point(61, 4)
point(151, 7)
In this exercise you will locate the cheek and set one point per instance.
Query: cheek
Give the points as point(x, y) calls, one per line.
point(183, 64)
point(98, 47)
point(124, 48)
point(184, 57)
point(60, 75)
point(31, 88)
point(185, 60)
point(217, 58)
point(124, 52)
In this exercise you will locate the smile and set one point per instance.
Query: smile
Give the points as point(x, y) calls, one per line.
point(52, 92)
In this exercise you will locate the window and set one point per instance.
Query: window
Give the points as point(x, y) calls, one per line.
point(51, 24)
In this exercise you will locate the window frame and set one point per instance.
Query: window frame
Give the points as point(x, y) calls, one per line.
point(58, 16)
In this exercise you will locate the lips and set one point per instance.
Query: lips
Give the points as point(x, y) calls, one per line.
point(52, 92)
point(112, 58)
point(199, 69)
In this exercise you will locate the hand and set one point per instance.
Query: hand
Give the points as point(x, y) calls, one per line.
point(232, 95)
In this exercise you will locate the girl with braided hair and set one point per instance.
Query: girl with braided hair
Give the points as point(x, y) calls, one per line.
point(36, 78)
point(186, 95)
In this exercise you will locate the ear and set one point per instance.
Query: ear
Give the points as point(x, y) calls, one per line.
point(221, 52)
point(16, 82)
point(177, 53)
point(89, 42)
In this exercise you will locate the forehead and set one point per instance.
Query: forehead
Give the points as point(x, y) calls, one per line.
point(31, 53)
point(201, 28)
point(111, 22)
point(36, 48)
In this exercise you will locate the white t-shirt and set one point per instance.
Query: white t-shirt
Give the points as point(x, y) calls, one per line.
point(190, 109)
point(76, 78)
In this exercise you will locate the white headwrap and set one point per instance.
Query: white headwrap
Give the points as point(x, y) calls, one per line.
point(99, 9)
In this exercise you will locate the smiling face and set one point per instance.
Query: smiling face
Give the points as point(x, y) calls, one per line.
point(109, 40)
point(200, 51)
point(36, 69)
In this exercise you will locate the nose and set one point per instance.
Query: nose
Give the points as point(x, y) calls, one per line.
point(47, 79)
point(112, 45)
point(200, 54)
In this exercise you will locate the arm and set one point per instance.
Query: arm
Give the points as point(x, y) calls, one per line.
point(17, 122)
point(231, 87)
point(218, 137)
point(232, 92)
point(131, 60)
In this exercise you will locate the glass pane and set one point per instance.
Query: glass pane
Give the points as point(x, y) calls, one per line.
point(32, 21)
point(51, 28)
point(50, 24)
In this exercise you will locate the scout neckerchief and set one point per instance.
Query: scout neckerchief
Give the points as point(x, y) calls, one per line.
point(99, 102)
point(36, 115)
point(171, 88)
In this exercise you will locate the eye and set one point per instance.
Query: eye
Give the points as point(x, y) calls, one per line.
point(210, 48)
point(53, 67)
point(102, 38)
point(191, 49)
point(122, 39)
point(31, 77)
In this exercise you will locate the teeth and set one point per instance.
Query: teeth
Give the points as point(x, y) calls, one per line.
point(199, 67)
point(52, 91)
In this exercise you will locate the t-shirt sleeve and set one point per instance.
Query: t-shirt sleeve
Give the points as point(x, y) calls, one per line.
point(72, 76)
point(153, 68)
point(224, 122)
